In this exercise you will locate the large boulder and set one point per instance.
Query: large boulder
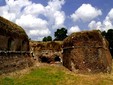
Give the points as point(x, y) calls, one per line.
point(87, 51)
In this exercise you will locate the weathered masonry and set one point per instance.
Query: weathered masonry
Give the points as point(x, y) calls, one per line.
point(47, 52)
point(14, 47)
point(87, 51)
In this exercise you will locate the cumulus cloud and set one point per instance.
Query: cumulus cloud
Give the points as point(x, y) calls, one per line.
point(110, 14)
point(13, 8)
point(39, 32)
point(54, 14)
point(34, 26)
point(34, 9)
point(106, 24)
point(73, 29)
point(35, 18)
point(86, 12)
point(95, 25)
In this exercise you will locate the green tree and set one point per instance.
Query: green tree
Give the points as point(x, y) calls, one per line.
point(104, 33)
point(109, 36)
point(60, 34)
point(48, 38)
point(44, 39)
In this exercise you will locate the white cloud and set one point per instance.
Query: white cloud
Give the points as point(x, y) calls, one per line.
point(34, 9)
point(86, 12)
point(39, 32)
point(110, 14)
point(54, 14)
point(73, 29)
point(34, 26)
point(12, 9)
point(59, 18)
point(35, 18)
point(95, 25)
point(55, 4)
point(10, 16)
point(30, 21)
point(106, 24)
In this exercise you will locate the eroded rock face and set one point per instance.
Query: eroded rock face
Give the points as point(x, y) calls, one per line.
point(87, 52)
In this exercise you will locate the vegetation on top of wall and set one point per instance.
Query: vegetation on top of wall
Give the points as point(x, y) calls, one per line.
point(94, 35)
point(9, 28)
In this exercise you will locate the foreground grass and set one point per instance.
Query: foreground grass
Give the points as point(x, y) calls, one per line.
point(56, 75)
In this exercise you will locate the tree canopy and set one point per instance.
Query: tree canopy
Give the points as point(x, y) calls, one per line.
point(48, 38)
point(60, 34)
point(109, 36)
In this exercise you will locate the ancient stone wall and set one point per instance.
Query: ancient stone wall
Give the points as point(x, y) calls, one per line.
point(46, 51)
point(13, 44)
point(3, 42)
point(12, 37)
point(12, 61)
point(14, 47)
point(87, 51)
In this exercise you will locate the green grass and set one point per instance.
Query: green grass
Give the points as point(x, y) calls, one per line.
point(56, 75)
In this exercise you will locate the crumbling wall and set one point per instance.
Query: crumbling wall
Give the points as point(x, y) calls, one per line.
point(12, 61)
point(12, 36)
point(3, 42)
point(14, 47)
point(46, 51)
point(87, 52)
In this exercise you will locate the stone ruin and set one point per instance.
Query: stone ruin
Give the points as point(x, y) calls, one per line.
point(83, 51)
point(14, 47)
point(47, 52)
point(87, 51)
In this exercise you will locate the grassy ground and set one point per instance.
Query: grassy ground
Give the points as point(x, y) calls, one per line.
point(55, 75)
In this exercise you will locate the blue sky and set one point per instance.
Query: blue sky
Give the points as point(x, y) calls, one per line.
point(40, 18)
